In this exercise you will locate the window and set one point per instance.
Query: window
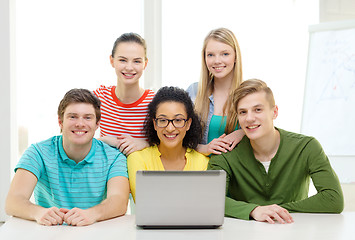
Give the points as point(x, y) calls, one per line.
point(61, 45)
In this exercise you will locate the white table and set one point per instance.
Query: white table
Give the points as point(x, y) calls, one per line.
point(306, 226)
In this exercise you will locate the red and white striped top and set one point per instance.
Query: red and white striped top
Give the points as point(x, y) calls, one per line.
point(118, 118)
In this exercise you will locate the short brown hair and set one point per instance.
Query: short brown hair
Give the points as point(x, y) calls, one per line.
point(79, 95)
point(252, 86)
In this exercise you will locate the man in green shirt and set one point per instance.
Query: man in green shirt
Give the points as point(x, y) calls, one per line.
point(269, 171)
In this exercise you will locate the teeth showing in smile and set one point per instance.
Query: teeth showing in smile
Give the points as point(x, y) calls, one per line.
point(253, 127)
point(170, 136)
point(218, 68)
point(79, 133)
point(128, 74)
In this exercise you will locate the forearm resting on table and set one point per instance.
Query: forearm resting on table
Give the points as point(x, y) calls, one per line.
point(109, 208)
point(21, 207)
point(116, 202)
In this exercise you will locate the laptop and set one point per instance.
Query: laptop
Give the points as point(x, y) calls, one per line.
point(180, 199)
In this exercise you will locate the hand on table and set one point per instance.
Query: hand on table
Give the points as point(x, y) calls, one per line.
point(78, 217)
point(50, 216)
point(270, 213)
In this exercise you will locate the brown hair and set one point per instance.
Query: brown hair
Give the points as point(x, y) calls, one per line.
point(79, 95)
point(130, 37)
point(252, 86)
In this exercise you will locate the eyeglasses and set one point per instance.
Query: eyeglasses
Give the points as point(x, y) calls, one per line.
point(164, 122)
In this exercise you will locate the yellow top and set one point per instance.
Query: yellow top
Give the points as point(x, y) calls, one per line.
point(149, 159)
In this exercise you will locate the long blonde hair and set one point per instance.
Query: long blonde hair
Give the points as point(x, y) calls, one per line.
point(206, 83)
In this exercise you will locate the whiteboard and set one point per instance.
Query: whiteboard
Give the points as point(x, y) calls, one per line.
point(329, 97)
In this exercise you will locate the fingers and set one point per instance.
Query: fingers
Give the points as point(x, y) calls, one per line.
point(223, 135)
point(78, 217)
point(128, 150)
point(277, 217)
point(271, 213)
point(122, 147)
point(235, 137)
point(269, 220)
point(58, 216)
point(233, 145)
point(124, 136)
point(45, 222)
point(69, 216)
point(128, 144)
point(75, 219)
point(285, 215)
point(219, 145)
point(64, 210)
point(51, 216)
point(110, 140)
point(280, 214)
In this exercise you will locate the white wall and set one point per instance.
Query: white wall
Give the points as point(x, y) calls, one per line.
point(7, 107)
point(273, 37)
point(336, 10)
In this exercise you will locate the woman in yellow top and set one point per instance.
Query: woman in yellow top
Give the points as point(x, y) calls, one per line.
point(173, 131)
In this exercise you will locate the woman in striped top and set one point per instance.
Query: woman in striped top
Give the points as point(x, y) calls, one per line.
point(125, 106)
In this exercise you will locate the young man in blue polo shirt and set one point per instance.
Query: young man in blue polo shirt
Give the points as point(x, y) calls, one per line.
point(75, 178)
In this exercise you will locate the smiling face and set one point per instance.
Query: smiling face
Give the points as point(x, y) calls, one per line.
point(78, 124)
point(170, 136)
point(220, 59)
point(129, 62)
point(256, 115)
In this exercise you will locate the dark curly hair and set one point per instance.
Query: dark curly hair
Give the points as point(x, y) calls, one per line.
point(173, 94)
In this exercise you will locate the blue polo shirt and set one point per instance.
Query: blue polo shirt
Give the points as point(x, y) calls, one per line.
point(62, 182)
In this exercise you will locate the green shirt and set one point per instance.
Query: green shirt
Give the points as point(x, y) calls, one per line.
point(287, 182)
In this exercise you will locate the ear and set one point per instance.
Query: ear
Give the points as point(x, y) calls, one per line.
point(60, 122)
point(188, 124)
point(275, 112)
point(155, 126)
point(111, 61)
point(145, 64)
point(97, 125)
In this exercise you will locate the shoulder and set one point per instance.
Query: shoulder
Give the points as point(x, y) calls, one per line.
point(193, 87)
point(103, 90)
point(46, 146)
point(40, 154)
point(150, 92)
point(296, 139)
point(303, 145)
point(144, 154)
point(197, 161)
point(143, 101)
point(242, 151)
point(147, 96)
point(193, 154)
point(192, 90)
